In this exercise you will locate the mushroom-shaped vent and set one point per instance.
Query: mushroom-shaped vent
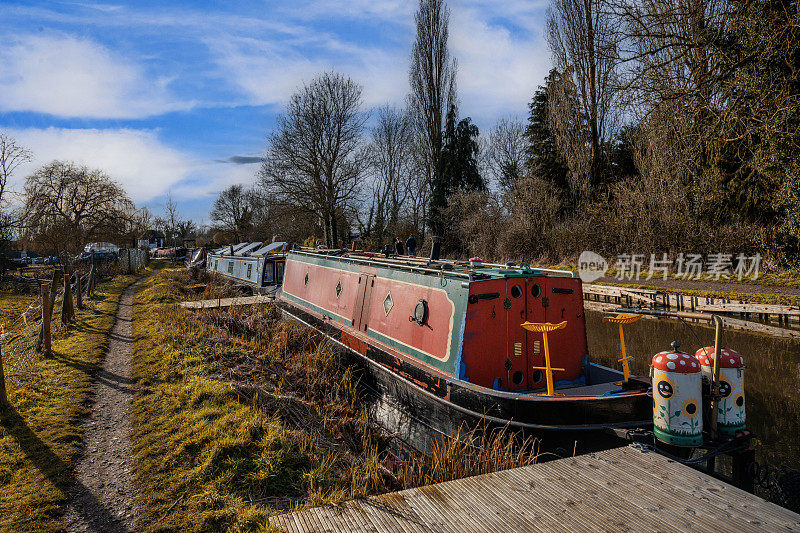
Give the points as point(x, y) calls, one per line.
point(730, 358)
point(672, 361)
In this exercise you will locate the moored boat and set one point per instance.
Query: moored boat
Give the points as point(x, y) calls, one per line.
point(256, 265)
point(461, 343)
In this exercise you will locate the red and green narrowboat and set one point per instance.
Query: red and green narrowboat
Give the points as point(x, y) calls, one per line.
point(445, 340)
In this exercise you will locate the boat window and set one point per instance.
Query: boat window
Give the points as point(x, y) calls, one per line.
point(518, 377)
point(279, 270)
point(249, 270)
point(230, 267)
point(516, 291)
point(536, 290)
point(537, 376)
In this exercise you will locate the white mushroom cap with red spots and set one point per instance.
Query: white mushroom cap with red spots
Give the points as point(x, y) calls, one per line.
point(730, 358)
point(681, 362)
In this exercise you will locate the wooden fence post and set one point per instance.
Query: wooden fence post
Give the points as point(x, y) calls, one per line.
point(90, 281)
point(3, 395)
point(66, 307)
point(54, 291)
point(94, 273)
point(46, 310)
point(78, 291)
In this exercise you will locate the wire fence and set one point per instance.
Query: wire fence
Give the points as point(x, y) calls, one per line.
point(18, 340)
point(21, 337)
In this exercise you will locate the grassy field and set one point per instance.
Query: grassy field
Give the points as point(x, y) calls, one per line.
point(40, 438)
point(239, 415)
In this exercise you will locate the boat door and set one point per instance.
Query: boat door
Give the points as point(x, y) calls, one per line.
point(361, 309)
point(536, 311)
point(515, 306)
point(568, 347)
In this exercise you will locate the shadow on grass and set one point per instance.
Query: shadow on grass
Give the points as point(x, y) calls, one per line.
point(58, 473)
point(97, 373)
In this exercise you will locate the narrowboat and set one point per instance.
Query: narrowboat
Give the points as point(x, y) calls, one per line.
point(196, 258)
point(256, 265)
point(464, 343)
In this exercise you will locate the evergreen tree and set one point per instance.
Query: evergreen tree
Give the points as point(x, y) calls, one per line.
point(544, 161)
point(458, 167)
point(620, 155)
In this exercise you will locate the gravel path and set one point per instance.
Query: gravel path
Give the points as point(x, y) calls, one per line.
point(103, 496)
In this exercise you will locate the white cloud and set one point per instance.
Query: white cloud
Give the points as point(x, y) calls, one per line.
point(136, 159)
point(268, 71)
point(500, 49)
point(498, 71)
point(69, 77)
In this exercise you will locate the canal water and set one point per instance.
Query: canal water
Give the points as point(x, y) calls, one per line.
point(772, 376)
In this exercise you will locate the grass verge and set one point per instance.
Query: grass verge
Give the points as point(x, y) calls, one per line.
point(40, 434)
point(239, 415)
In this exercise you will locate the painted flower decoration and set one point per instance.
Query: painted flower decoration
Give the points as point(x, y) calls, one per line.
point(690, 408)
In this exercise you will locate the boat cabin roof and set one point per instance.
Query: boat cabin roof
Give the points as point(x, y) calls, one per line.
point(272, 247)
point(249, 248)
point(473, 271)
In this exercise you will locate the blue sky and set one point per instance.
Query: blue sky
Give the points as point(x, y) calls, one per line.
point(162, 95)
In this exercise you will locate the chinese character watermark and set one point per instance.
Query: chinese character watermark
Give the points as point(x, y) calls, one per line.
point(713, 266)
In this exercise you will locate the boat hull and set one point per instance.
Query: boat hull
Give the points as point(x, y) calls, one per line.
point(417, 400)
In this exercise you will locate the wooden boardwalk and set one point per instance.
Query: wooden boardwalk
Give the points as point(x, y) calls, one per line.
point(622, 489)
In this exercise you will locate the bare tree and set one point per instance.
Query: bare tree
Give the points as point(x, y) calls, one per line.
point(185, 229)
point(68, 205)
point(677, 69)
point(433, 84)
point(391, 165)
point(233, 210)
point(584, 100)
point(12, 155)
point(419, 189)
point(315, 159)
point(506, 151)
point(171, 220)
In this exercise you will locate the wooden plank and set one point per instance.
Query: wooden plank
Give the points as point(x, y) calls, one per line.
point(669, 502)
point(743, 307)
point(693, 485)
point(226, 302)
point(747, 325)
point(605, 509)
point(537, 500)
point(616, 290)
point(729, 322)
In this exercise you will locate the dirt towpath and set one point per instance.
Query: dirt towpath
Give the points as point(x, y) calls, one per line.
point(103, 497)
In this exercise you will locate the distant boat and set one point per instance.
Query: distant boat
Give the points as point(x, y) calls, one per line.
point(252, 264)
point(445, 340)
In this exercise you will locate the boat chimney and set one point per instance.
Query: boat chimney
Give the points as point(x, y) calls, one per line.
point(436, 248)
